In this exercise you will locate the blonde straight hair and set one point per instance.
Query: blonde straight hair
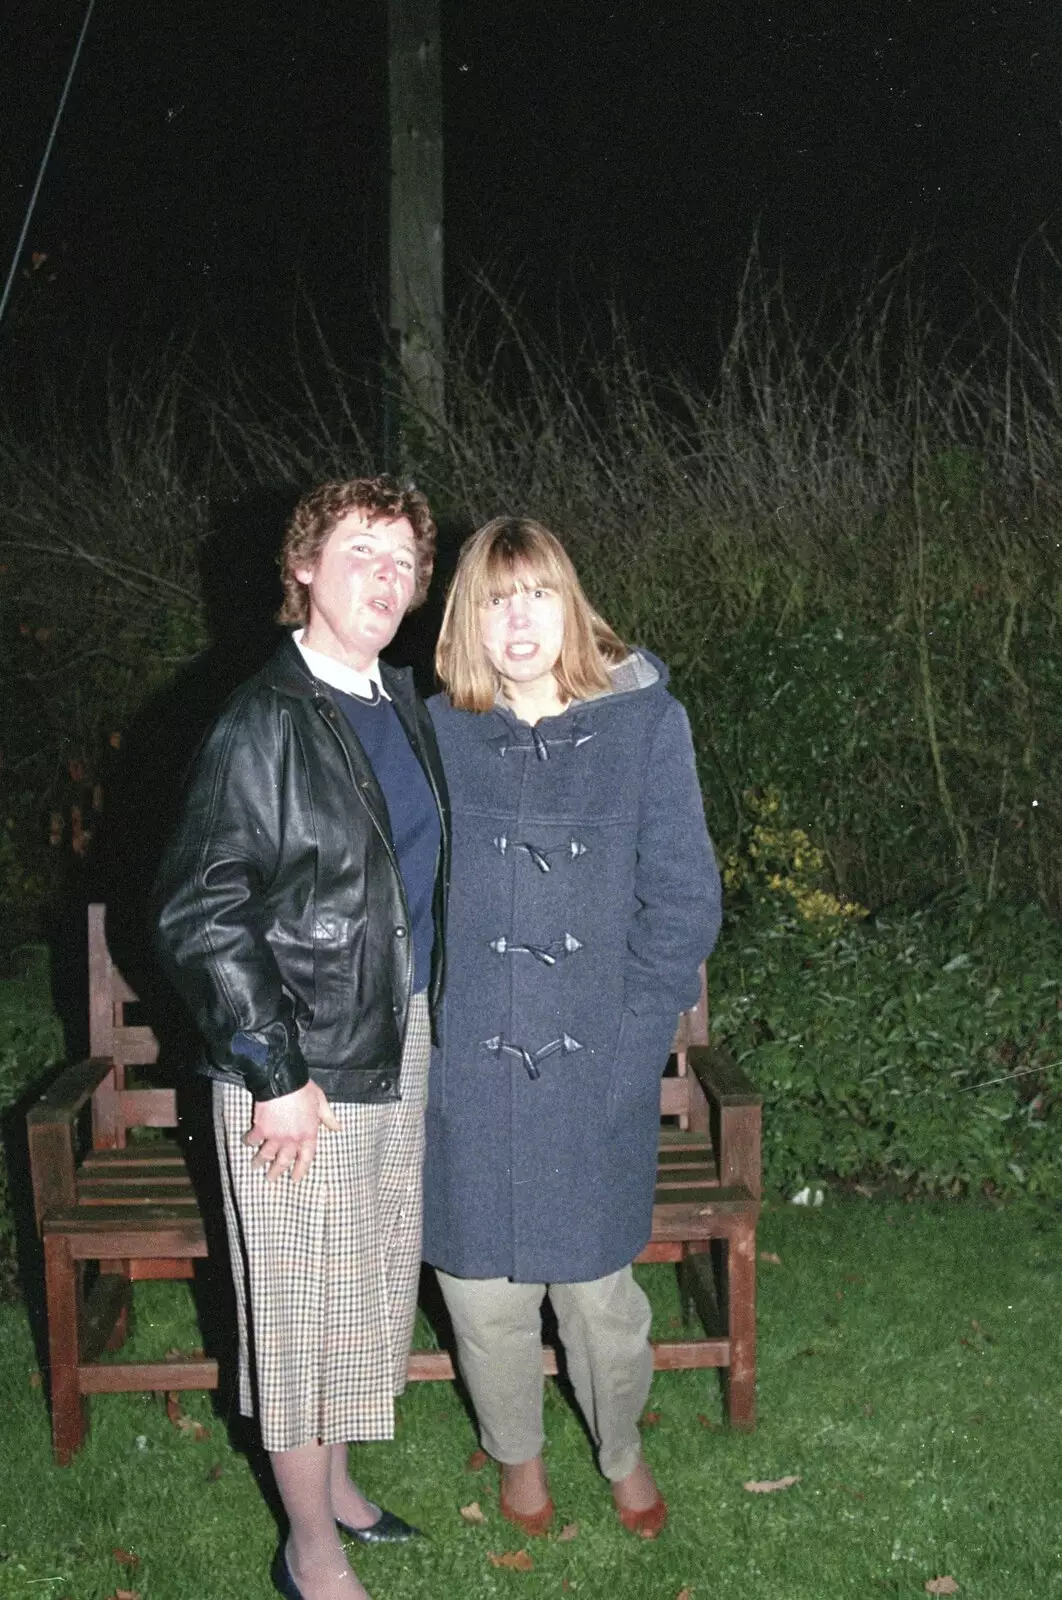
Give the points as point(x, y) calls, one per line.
point(507, 553)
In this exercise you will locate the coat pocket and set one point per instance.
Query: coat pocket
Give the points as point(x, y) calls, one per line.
point(642, 1049)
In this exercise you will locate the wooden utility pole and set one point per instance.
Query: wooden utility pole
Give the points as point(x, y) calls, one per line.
point(416, 221)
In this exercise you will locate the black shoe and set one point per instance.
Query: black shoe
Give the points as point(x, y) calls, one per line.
point(283, 1582)
point(387, 1529)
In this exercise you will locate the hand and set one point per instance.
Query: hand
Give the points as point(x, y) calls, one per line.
point(284, 1132)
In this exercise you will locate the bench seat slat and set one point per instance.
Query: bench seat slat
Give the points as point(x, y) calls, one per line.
point(167, 1182)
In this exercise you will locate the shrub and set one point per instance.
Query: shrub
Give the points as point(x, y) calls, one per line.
point(844, 546)
point(31, 1043)
point(923, 1048)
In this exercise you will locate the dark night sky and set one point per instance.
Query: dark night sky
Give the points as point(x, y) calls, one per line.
point(213, 153)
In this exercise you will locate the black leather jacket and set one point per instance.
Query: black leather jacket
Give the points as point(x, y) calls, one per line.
point(281, 914)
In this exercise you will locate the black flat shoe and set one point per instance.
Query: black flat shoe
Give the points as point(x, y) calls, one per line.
point(283, 1582)
point(387, 1529)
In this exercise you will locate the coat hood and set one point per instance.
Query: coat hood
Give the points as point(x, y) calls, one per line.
point(640, 670)
point(637, 674)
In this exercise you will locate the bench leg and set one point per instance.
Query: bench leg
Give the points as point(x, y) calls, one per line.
point(62, 1289)
point(741, 1326)
point(120, 1332)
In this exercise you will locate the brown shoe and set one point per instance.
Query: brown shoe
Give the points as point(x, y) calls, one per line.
point(535, 1524)
point(647, 1523)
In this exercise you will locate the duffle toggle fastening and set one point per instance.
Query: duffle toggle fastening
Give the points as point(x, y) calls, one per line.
point(540, 857)
point(548, 954)
point(498, 1047)
point(540, 744)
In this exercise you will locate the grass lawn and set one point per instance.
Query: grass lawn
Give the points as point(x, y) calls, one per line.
point(909, 1375)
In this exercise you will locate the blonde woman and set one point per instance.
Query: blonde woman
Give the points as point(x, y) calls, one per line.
point(584, 896)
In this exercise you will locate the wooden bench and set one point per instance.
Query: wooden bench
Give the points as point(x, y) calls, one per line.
point(124, 1204)
point(120, 1199)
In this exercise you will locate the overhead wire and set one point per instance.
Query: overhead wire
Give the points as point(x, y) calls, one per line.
point(44, 160)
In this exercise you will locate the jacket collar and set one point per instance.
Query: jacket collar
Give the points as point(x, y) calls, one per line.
point(288, 673)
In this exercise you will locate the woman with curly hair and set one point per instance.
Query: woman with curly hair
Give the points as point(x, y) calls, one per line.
point(300, 908)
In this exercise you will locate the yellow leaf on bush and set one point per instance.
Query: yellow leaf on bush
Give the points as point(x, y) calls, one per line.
point(941, 1586)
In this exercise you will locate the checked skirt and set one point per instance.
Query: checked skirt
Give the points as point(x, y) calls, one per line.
point(326, 1270)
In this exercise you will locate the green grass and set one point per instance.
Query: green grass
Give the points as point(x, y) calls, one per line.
point(908, 1374)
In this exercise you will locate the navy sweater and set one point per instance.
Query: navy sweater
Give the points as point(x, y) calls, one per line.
point(411, 808)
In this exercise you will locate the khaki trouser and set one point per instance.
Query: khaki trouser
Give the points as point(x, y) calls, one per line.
point(604, 1326)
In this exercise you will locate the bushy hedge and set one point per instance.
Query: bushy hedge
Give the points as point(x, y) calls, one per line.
point(919, 1048)
point(846, 551)
point(31, 1044)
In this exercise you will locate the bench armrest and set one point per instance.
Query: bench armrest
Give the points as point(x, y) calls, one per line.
point(50, 1131)
point(720, 1076)
point(66, 1097)
point(736, 1115)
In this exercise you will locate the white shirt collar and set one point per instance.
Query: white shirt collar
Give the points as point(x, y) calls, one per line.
point(337, 674)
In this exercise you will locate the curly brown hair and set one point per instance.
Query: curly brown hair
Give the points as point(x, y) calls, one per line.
point(317, 514)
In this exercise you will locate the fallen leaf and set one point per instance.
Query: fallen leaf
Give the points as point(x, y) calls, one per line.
point(684, 1594)
point(519, 1560)
point(706, 1422)
point(477, 1461)
point(568, 1532)
point(35, 1380)
point(180, 1420)
point(772, 1256)
point(650, 1419)
point(125, 1594)
point(941, 1586)
point(126, 1558)
point(473, 1512)
point(771, 1485)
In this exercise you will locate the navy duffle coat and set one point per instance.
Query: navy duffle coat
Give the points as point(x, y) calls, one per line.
point(584, 896)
